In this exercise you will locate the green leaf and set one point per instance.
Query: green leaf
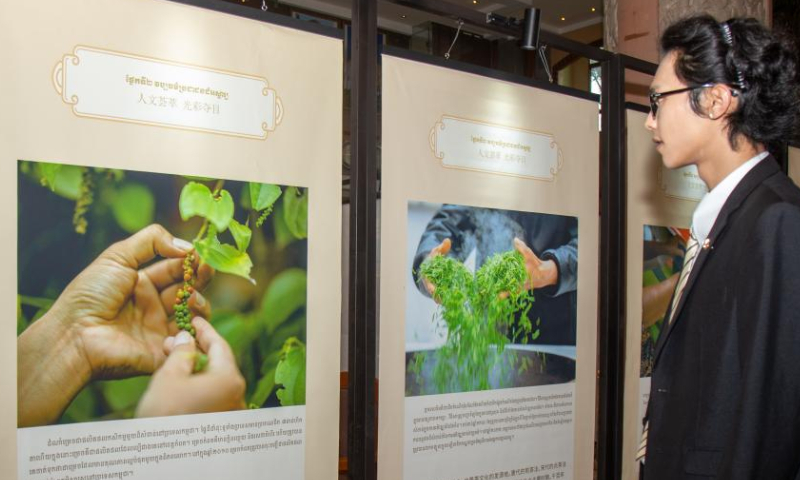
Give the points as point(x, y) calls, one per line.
point(48, 172)
point(133, 207)
point(244, 198)
point(224, 257)
point(283, 236)
point(272, 358)
point(122, 394)
point(199, 179)
point(241, 235)
point(82, 408)
point(39, 314)
point(655, 332)
point(22, 322)
point(285, 294)
point(291, 373)
point(64, 180)
point(294, 326)
point(295, 211)
point(221, 211)
point(238, 330)
point(197, 200)
point(263, 195)
point(39, 302)
point(263, 388)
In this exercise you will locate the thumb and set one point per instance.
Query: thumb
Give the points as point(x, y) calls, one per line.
point(445, 247)
point(181, 359)
point(149, 242)
point(441, 249)
point(522, 248)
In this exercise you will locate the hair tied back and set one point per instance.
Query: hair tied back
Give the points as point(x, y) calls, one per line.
point(727, 36)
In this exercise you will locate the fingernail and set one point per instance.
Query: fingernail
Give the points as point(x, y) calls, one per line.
point(198, 320)
point(183, 338)
point(199, 300)
point(182, 244)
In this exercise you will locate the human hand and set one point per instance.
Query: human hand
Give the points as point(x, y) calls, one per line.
point(441, 249)
point(175, 389)
point(673, 247)
point(121, 313)
point(655, 300)
point(541, 273)
point(109, 322)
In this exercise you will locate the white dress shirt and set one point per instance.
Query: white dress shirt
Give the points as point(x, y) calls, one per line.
point(708, 210)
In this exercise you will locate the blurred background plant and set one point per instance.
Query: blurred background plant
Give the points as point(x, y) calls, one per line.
point(68, 214)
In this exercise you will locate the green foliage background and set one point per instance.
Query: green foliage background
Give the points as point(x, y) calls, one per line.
point(264, 322)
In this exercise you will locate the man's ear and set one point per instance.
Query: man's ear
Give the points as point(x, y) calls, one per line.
point(719, 101)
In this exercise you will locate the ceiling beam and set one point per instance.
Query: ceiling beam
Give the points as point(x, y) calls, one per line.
point(479, 20)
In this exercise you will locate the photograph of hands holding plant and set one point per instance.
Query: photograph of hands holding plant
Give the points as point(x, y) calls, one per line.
point(144, 294)
point(504, 285)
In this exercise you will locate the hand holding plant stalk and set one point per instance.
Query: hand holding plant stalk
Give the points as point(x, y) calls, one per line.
point(217, 209)
point(110, 322)
point(480, 312)
point(175, 390)
point(541, 273)
point(441, 249)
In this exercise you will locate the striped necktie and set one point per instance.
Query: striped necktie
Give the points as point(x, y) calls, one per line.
point(688, 261)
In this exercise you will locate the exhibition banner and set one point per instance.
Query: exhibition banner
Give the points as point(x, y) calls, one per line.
point(659, 214)
point(488, 319)
point(463, 143)
point(105, 84)
point(167, 244)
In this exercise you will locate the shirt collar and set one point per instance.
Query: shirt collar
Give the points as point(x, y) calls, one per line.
point(709, 207)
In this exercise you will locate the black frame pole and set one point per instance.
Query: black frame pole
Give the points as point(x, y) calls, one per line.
point(611, 354)
point(785, 161)
point(782, 157)
point(362, 350)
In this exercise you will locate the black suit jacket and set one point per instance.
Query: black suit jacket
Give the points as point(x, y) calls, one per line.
point(725, 391)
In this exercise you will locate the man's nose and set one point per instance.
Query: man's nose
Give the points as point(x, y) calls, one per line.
point(650, 123)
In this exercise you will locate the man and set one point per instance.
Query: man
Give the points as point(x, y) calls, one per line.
point(725, 391)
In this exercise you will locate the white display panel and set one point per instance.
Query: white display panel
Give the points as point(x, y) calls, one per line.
point(126, 113)
point(493, 161)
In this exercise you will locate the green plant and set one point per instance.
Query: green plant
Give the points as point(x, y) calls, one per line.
point(259, 237)
point(217, 210)
point(285, 366)
point(182, 313)
point(291, 373)
point(481, 312)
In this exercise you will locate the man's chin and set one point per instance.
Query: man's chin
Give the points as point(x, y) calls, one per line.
point(669, 161)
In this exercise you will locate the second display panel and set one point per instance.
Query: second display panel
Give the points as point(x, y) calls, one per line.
point(489, 254)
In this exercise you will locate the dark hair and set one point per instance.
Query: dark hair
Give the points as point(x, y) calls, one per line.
point(765, 63)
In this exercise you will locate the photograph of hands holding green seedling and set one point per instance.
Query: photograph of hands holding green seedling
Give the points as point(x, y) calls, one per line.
point(143, 294)
point(504, 284)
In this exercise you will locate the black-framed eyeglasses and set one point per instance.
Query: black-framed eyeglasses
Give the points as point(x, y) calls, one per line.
point(656, 96)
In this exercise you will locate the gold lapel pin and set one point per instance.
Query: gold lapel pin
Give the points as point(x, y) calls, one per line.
point(706, 244)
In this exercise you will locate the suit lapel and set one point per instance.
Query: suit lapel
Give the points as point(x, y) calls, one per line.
point(753, 179)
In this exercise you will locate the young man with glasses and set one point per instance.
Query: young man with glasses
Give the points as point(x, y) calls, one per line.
point(725, 391)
